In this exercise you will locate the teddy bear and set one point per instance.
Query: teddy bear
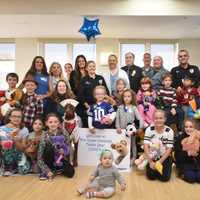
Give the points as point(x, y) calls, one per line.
point(61, 149)
point(122, 150)
point(156, 149)
point(10, 100)
point(191, 144)
point(31, 148)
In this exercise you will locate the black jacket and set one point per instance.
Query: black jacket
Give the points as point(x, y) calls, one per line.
point(87, 85)
point(183, 161)
point(179, 73)
point(135, 75)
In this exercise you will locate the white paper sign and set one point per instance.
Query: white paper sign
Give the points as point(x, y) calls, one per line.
point(91, 146)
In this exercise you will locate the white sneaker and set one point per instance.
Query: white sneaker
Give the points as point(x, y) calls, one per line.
point(7, 173)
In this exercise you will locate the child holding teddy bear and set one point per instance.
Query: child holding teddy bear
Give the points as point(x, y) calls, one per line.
point(187, 154)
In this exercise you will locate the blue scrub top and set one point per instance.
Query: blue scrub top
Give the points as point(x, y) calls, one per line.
point(43, 83)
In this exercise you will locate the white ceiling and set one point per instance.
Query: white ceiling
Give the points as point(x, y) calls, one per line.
point(63, 26)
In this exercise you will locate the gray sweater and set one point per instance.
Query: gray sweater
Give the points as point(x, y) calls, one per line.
point(124, 116)
point(107, 177)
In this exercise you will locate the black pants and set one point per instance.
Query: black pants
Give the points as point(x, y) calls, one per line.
point(177, 119)
point(167, 169)
point(48, 156)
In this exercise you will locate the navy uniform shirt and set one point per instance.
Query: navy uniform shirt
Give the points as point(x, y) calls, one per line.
point(135, 75)
point(87, 85)
point(179, 73)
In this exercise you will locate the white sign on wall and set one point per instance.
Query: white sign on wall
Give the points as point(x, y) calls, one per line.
point(91, 146)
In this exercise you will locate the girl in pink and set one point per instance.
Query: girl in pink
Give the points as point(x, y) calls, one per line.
point(146, 97)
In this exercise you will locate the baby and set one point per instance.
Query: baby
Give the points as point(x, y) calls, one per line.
point(102, 181)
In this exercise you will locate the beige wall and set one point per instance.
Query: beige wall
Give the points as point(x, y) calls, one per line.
point(193, 46)
point(27, 48)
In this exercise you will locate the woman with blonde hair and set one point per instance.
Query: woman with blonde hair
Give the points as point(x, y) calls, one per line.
point(56, 74)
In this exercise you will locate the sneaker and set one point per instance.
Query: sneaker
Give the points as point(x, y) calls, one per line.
point(80, 191)
point(43, 177)
point(7, 173)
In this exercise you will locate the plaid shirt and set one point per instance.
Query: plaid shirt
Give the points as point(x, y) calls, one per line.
point(31, 107)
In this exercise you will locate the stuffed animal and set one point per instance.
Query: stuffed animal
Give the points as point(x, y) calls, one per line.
point(11, 100)
point(59, 144)
point(191, 144)
point(7, 144)
point(31, 148)
point(197, 114)
point(122, 150)
point(105, 119)
point(130, 130)
point(156, 149)
point(70, 128)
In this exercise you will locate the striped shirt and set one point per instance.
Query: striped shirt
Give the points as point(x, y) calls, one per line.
point(167, 137)
point(168, 96)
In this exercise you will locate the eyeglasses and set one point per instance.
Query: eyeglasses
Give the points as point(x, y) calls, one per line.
point(16, 116)
point(181, 56)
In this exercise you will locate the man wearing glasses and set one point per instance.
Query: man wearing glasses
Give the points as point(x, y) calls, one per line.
point(184, 69)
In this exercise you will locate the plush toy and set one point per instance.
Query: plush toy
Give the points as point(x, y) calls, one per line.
point(11, 100)
point(148, 97)
point(105, 119)
point(197, 114)
point(59, 144)
point(31, 148)
point(191, 144)
point(122, 150)
point(7, 144)
point(70, 128)
point(130, 130)
point(156, 149)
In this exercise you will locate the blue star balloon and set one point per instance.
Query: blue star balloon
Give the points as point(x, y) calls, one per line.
point(90, 28)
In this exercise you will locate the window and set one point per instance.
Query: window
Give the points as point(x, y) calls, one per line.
point(7, 62)
point(167, 51)
point(55, 52)
point(88, 50)
point(137, 49)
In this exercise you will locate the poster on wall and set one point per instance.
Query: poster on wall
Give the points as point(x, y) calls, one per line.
point(91, 146)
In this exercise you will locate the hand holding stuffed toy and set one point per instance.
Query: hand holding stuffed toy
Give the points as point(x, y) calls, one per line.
point(60, 146)
point(130, 130)
point(155, 153)
point(106, 119)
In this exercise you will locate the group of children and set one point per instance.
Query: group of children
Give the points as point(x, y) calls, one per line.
point(39, 131)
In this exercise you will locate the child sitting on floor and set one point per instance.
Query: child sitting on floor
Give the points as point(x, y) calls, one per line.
point(102, 181)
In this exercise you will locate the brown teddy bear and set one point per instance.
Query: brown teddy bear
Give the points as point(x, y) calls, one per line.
point(122, 150)
point(191, 144)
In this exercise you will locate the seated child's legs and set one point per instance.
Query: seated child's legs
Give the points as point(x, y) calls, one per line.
point(198, 176)
point(108, 191)
point(151, 174)
point(68, 169)
point(167, 170)
point(48, 156)
point(189, 176)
